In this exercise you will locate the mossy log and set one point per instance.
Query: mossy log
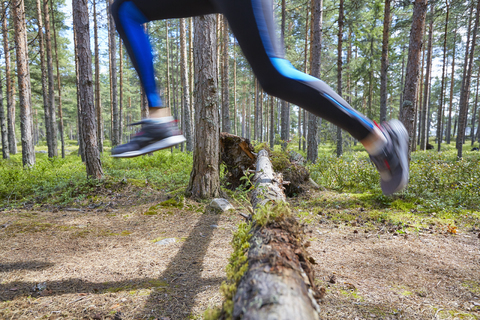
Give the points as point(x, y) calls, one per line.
point(279, 281)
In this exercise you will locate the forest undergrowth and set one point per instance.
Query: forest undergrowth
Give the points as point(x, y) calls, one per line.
point(388, 254)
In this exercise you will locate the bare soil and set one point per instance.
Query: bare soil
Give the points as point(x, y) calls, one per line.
point(81, 263)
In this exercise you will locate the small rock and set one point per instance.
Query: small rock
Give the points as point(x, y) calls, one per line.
point(213, 226)
point(165, 242)
point(333, 279)
point(219, 205)
point(40, 286)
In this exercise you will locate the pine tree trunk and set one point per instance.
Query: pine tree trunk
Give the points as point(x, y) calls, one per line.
point(234, 87)
point(205, 178)
point(43, 68)
point(339, 72)
point(452, 83)
point(3, 123)
point(413, 66)
point(51, 84)
point(12, 144)
point(285, 134)
point(85, 89)
point(60, 114)
point(81, 142)
point(225, 81)
point(187, 113)
point(316, 49)
point(113, 78)
point(440, 105)
point(427, 88)
point(98, 101)
point(24, 87)
point(465, 94)
point(384, 65)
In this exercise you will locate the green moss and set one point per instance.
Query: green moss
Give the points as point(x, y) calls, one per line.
point(261, 146)
point(137, 182)
point(280, 161)
point(270, 212)
point(236, 268)
point(472, 286)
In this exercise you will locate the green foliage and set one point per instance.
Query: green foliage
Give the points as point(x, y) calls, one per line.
point(437, 180)
point(58, 180)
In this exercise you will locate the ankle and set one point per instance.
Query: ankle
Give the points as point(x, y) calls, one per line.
point(159, 112)
point(375, 142)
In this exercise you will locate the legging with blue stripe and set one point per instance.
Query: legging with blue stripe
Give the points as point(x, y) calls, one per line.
point(253, 25)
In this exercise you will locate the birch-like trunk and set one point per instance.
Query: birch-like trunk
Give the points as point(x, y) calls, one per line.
point(187, 112)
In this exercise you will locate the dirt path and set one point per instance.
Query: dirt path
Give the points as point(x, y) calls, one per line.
point(99, 264)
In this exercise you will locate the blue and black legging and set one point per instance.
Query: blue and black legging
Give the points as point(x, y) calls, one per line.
point(253, 25)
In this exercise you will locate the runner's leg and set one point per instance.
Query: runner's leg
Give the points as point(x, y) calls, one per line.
point(253, 25)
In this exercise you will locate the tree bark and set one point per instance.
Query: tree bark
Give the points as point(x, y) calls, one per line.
point(465, 94)
point(225, 81)
point(472, 131)
point(43, 68)
point(3, 123)
point(113, 78)
point(316, 49)
point(98, 101)
point(413, 66)
point(205, 178)
point(120, 111)
point(384, 63)
point(60, 114)
point(279, 282)
point(12, 144)
point(285, 133)
point(452, 83)
point(85, 89)
point(339, 72)
point(440, 105)
point(24, 87)
point(426, 94)
point(187, 113)
point(51, 84)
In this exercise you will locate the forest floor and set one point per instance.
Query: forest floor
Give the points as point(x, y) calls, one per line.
point(99, 260)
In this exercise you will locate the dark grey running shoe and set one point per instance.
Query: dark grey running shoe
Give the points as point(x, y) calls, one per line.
point(392, 162)
point(156, 134)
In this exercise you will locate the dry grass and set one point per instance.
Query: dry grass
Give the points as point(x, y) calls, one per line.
point(101, 264)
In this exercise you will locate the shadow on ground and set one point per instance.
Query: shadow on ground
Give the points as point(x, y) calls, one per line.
point(175, 290)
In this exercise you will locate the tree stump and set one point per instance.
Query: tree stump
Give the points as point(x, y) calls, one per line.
point(279, 282)
point(237, 155)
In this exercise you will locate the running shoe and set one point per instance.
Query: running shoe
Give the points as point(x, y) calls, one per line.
point(156, 134)
point(392, 162)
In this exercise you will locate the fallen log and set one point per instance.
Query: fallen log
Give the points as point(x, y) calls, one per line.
point(279, 281)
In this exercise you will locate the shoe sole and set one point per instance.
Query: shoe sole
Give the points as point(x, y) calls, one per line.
point(399, 179)
point(159, 145)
